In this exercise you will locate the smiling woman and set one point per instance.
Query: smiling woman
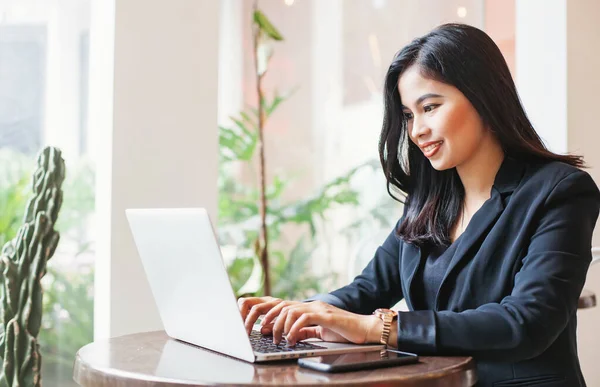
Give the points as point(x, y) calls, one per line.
point(445, 126)
point(494, 245)
point(442, 120)
point(455, 89)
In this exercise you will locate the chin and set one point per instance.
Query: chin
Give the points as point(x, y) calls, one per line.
point(441, 165)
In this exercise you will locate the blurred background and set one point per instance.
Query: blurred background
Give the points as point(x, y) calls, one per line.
point(152, 104)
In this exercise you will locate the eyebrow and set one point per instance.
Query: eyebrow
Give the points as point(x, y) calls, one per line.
point(424, 97)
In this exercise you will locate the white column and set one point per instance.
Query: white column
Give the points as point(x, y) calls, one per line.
point(557, 71)
point(161, 149)
point(326, 82)
point(67, 20)
point(583, 35)
point(326, 88)
point(100, 127)
point(583, 49)
point(541, 67)
point(231, 60)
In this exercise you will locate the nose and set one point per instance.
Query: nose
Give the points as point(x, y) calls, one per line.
point(419, 128)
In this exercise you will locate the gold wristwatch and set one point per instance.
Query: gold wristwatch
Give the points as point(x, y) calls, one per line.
point(387, 315)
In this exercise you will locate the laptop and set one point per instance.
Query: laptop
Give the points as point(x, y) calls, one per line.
point(188, 278)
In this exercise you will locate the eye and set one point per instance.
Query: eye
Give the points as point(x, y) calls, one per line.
point(428, 108)
point(407, 116)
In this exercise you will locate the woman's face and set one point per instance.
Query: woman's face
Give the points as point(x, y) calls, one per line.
point(441, 120)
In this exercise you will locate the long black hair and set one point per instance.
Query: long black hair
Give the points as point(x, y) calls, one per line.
point(468, 59)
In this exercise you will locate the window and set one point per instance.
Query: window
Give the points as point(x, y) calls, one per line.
point(43, 101)
point(334, 55)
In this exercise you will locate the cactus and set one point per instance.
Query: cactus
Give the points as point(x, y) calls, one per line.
point(23, 264)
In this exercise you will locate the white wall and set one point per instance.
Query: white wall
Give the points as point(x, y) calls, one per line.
point(160, 150)
point(583, 62)
point(541, 67)
point(557, 74)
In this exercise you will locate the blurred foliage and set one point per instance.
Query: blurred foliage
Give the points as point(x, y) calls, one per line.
point(239, 205)
point(14, 188)
point(239, 219)
point(291, 267)
point(239, 210)
point(67, 322)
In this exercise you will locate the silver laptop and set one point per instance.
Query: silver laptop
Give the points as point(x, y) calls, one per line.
point(189, 282)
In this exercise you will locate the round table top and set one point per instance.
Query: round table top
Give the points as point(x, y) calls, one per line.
point(154, 359)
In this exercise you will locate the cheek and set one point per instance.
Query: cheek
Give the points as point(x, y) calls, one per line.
point(462, 129)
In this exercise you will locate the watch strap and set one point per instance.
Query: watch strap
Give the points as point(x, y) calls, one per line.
point(385, 332)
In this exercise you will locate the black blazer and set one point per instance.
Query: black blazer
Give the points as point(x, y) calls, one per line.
point(509, 296)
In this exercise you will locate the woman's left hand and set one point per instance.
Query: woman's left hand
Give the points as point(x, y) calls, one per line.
point(332, 324)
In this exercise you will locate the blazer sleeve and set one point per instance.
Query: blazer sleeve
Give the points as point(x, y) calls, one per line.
point(378, 286)
point(545, 292)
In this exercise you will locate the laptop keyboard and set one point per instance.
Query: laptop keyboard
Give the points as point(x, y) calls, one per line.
point(264, 344)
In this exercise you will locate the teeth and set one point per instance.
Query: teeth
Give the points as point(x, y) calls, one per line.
point(432, 146)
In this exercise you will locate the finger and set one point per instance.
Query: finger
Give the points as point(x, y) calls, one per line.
point(287, 318)
point(292, 316)
point(305, 333)
point(274, 312)
point(245, 303)
point(279, 325)
point(244, 306)
point(267, 329)
point(255, 312)
point(304, 321)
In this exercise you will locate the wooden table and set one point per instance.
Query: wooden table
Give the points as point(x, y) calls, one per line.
point(154, 359)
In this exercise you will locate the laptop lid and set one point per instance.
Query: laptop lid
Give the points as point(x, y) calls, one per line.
point(188, 279)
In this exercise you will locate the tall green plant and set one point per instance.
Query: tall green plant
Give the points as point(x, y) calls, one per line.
point(67, 321)
point(253, 217)
point(264, 34)
point(23, 263)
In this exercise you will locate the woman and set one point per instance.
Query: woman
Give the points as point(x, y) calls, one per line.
point(493, 248)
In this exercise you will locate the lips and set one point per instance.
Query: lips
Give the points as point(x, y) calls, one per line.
point(431, 148)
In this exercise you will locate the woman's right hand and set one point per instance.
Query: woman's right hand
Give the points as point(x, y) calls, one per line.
point(252, 308)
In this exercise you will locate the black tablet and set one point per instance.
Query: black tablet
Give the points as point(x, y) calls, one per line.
point(358, 360)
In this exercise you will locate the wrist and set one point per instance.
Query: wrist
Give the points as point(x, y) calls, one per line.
point(374, 331)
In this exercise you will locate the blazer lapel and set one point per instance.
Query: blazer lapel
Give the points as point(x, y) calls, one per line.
point(507, 179)
point(411, 259)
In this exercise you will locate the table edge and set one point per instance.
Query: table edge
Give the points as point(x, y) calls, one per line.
point(84, 371)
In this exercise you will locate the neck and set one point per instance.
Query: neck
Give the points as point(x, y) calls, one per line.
point(477, 174)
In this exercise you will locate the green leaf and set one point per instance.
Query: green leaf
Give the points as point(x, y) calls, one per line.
point(275, 191)
point(272, 105)
point(266, 26)
point(237, 145)
point(239, 272)
point(248, 119)
point(346, 197)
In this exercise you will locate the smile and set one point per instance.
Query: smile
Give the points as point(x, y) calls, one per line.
point(432, 149)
